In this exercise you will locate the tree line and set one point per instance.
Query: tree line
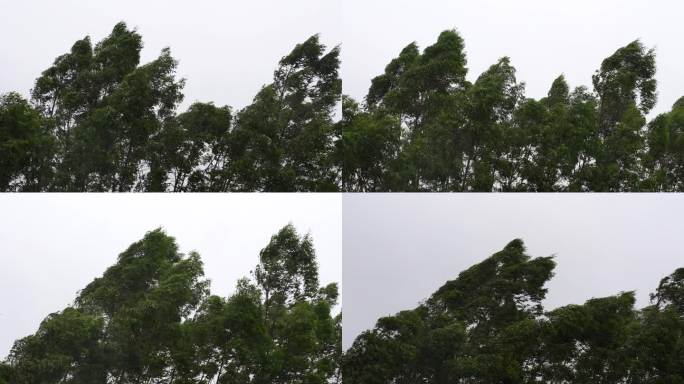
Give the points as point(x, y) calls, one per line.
point(488, 326)
point(150, 318)
point(99, 121)
point(424, 127)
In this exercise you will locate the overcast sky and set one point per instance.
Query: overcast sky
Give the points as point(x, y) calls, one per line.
point(543, 38)
point(53, 245)
point(399, 248)
point(227, 49)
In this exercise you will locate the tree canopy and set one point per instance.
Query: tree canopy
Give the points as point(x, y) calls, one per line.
point(99, 120)
point(424, 127)
point(150, 318)
point(488, 326)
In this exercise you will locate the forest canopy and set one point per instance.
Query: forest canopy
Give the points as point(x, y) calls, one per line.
point(424, 127)
point(488, 326)
point(150, 318)
point(99, 120)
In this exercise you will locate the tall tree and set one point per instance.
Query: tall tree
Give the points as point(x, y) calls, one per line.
point(190, 151)
point(488, 326)
point(284, 140)
point(474, 329)
point(150, 319)
point(26, 147)
point(486, 136)
point(664, 160)
point(104, 109)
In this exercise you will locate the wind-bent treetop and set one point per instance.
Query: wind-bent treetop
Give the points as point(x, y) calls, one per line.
point(100, 121)
point(488, 326)
point(424, 127)
point(150, 318)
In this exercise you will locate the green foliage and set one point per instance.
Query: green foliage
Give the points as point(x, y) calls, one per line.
point(100, 121)
point(284, 141)
point(150, 319)
point(25, 146)
point(486, 136)
point(488, 326)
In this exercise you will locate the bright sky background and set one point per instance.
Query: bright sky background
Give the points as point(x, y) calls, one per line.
point(543, 38)
point(53, 245)
point(226, 49)
point(399, 248)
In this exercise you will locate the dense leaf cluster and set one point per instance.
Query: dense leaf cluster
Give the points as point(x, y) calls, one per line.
point(424, 127)
point(150, 319)
point(488, 327)
point(99, 121)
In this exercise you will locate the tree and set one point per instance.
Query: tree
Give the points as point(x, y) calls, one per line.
point(124, 324)
point(100, 121)
point(104, 108)
point(369, 148)
point(474, 329)
point(488, 326)
point(150, 319)
point(665, 157)
point(284, 140)
point(486, 136)
point(191, 149)
point(26, 147)
point(65, 349)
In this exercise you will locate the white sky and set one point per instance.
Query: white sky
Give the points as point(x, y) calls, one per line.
point(543, 38)
point(53, 245)
point(399, 248)
point(227, 50)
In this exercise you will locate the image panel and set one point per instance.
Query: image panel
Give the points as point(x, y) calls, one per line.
point(496, 95)
point(519, 288)
point(228, 288)
point(170, 96)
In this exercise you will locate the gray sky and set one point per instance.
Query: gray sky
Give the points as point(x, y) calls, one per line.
point(543, 38)
point(227, 50)
point(399, 248)
point(52, 245)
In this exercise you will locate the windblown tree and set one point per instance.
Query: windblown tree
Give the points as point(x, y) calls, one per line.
point(277, 328)
point(284, 140)
point(103, 110)
point(98, 120)
point(487, 136)
point(26, 146)
point(488, 326)
point(150, 319)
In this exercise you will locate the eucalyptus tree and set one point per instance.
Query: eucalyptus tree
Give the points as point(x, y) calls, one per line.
point(626, 89)
point(425, 93)
point(100, 121)
point(103, 109)
point(368, 149)
point(285, 140)
point(26, 146)
point(123, 326)
point(277, 327)
point(477, 328)
point(488, 326)
point(487, 136)
point(190, 151)
point(150, 318)
point(664, 161)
